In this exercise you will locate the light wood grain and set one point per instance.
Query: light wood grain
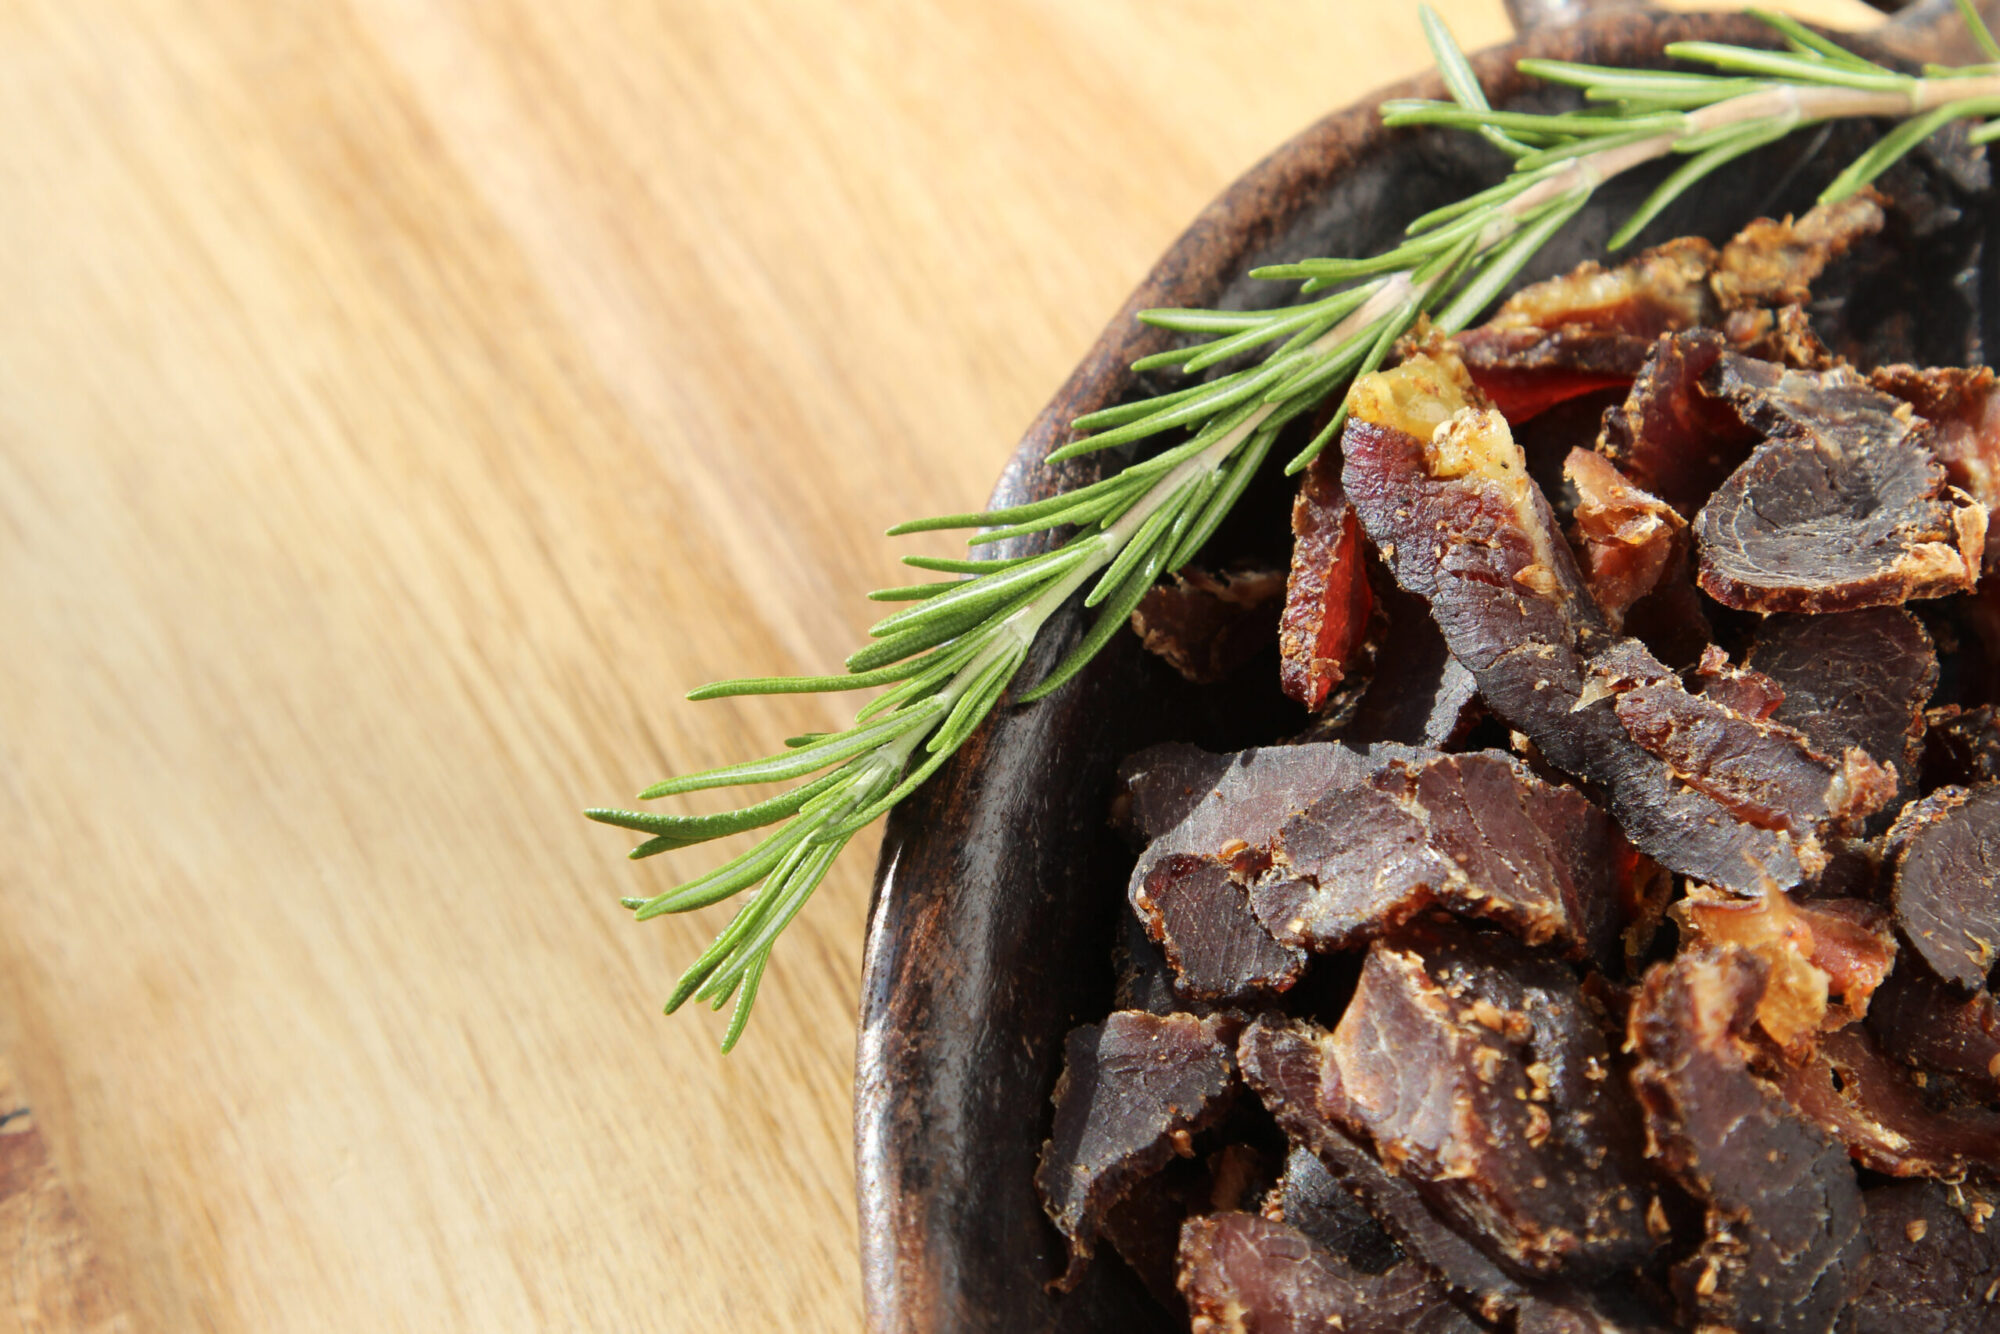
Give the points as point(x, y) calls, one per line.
point(402, 402)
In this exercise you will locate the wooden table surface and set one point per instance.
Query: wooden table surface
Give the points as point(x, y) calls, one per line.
point(402, 403)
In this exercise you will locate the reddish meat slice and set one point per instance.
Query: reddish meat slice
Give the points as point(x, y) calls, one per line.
point(1133, 1091)
point(1851, 1091)
point(1783, 1243)
point(1145, 1226)
point(1483, 1075)
point(1218, 950)
point(1762, 771)
point(1460, 524)
point(1963, 407)
point(1672, 437)
point(1947, 891)
point(1313, 1200)
point(1741, 690)
point(1207, 625)
point(1327, 598)
point(1477, 834)
point(1774, 263)
point(1288, 1064)
point(1589, 329)
point(1842, 506)
point(1244, 1274)
point(1928, 1025)
point(1629, 538)
point(1854, 678)
point(1813, 951)
point(1936, 1267)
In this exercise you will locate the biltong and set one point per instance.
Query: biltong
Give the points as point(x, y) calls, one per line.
point(1842, 506)
point(1947, 889)
point(1328, 601)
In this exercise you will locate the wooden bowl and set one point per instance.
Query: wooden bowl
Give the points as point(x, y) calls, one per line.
point(1000, 885)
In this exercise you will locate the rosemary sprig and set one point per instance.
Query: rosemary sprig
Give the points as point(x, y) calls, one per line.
point(949, 655)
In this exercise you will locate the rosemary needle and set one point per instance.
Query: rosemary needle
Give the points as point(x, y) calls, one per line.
point(953, 650)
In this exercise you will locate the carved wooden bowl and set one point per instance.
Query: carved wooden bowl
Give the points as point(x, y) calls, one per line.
point(1000, 884)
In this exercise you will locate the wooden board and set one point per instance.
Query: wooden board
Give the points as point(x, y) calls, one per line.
point(401, 404)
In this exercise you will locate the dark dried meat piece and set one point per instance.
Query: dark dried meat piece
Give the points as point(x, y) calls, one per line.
point(1312, 1200)
point(1483, 1074)
point(1245, 1274)
point(1287, 1063)
point(1947, 891)
point(1327, 597)
point(1762, 771)
point(1477, 834)
point(1961, 746)
point(1774, 263)
point(1628, 538)
point(1133, 1092)
point(1934, 1028)
point(1602, 1312)
point(1161, 785)
point(1672, 437)
point(1145, 981)
point(1254, 793)
point(1855, 1094)
point(1842, 506)
point(1589, 329)
point(1201, 918)
point(1784, 1243)
point(1854, 678)
point(1962, 404)
point(1207, 625)
point(1936, 1267)
point(1426, 698)
point(1460, 524)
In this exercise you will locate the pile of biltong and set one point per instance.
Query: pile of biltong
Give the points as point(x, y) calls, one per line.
point(1616, 950)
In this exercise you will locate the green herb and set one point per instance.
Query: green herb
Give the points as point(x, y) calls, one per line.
point(949, 656)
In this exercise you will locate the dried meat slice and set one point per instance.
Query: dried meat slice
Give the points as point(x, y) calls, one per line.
point(1936, 1265)
point(1328, 601)
point(1628, 538)
point(1313, 1200)
point(1484, 1075)
point(1207, 625)
point(1429, 699)
point(1853, 678)
point(1134, 1090)
point(1932, 1027)
point(1814, 951)
point(1246, 1274)
point(1961, 746)
point(1772, 263)
point(1842, 506)
point(1962, 404)
point(1947, 890)
point(1741, 690)
point(1590, 329)
point(1760, 770)
point(1855, 1094)
point(1671, 436)
point(1161, 785)
point(1476, 834)
point(1201, 918)
point(1783, 1244)
point(1286, 1062)
point(1459, 522)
